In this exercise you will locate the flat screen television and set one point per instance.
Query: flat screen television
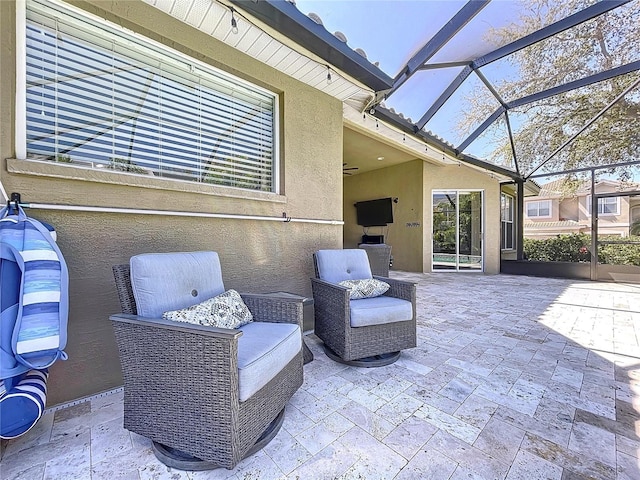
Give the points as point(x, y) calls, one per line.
point(375, 213)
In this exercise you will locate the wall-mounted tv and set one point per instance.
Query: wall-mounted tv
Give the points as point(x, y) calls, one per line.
point(375, 213)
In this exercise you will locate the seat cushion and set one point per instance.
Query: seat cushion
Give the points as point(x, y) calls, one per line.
point(334, 266)
point(227, 310)
point(171, 281)
point(379, 310)
point(263, 351)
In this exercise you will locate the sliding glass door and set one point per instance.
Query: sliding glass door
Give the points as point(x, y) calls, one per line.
point(457, 230)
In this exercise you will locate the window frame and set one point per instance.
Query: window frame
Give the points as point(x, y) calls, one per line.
point(508, 223)
point(603, 203)
point(548, 201)
point(114, 32)
point(457, 193)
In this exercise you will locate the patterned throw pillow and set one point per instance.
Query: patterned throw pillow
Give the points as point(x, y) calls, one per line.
point(367, 288)
point(226, 310)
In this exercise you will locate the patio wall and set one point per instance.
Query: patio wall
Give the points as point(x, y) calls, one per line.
point(256, 256)
point(405, 233)
point(410, 234)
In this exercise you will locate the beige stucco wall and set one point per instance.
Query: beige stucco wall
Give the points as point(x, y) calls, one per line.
point(462, 177)
point(405, 234)
point(257, 256)
point(568, 209)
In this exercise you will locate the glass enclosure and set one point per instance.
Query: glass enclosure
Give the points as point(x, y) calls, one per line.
point(558, 221)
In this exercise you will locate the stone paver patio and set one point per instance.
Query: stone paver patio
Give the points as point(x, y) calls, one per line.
point(516, 378)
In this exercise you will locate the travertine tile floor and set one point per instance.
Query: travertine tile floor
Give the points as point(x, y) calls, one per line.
point(515, 378)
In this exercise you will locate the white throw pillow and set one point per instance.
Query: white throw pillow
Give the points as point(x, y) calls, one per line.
point(366, 288)
point(226, 310)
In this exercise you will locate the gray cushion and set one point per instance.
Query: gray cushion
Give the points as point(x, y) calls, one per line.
point(226, 310)
point(379, 310)
point(171, 281)
point(334, 266)
point(263, 350)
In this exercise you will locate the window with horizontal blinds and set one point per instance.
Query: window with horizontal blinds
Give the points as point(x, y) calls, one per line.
point(507, 223)
point(538, 208)
point(606, 205)
point(102, 98)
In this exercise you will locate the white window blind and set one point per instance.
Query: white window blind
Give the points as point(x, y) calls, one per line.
point(100, 97)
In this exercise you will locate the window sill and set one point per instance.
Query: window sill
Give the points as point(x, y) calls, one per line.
point(73, 172)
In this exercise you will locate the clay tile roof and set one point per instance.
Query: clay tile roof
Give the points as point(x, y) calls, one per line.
point(560, 224)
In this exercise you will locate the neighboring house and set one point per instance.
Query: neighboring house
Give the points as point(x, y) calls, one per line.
point(146, 126)
point(559, 210)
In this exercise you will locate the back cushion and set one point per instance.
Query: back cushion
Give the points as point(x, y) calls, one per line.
point(171, 281)
point(337, 265)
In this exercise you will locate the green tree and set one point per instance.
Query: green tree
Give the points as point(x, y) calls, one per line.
point(600, 44)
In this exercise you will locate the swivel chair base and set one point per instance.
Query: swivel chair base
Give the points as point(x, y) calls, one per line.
point(366, 362)
point(174, 458)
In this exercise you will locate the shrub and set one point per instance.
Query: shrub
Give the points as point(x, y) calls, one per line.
point(616, 254)
point(563, 248)
point(576, 248)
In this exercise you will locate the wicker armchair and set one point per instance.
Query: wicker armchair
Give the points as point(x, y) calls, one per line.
point(376, 343)
point(182, 381)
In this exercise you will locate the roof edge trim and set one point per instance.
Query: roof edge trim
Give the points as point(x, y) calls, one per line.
point(285, 17)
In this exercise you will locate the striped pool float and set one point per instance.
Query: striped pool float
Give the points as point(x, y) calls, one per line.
point(22, 404)
point(34, 295)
